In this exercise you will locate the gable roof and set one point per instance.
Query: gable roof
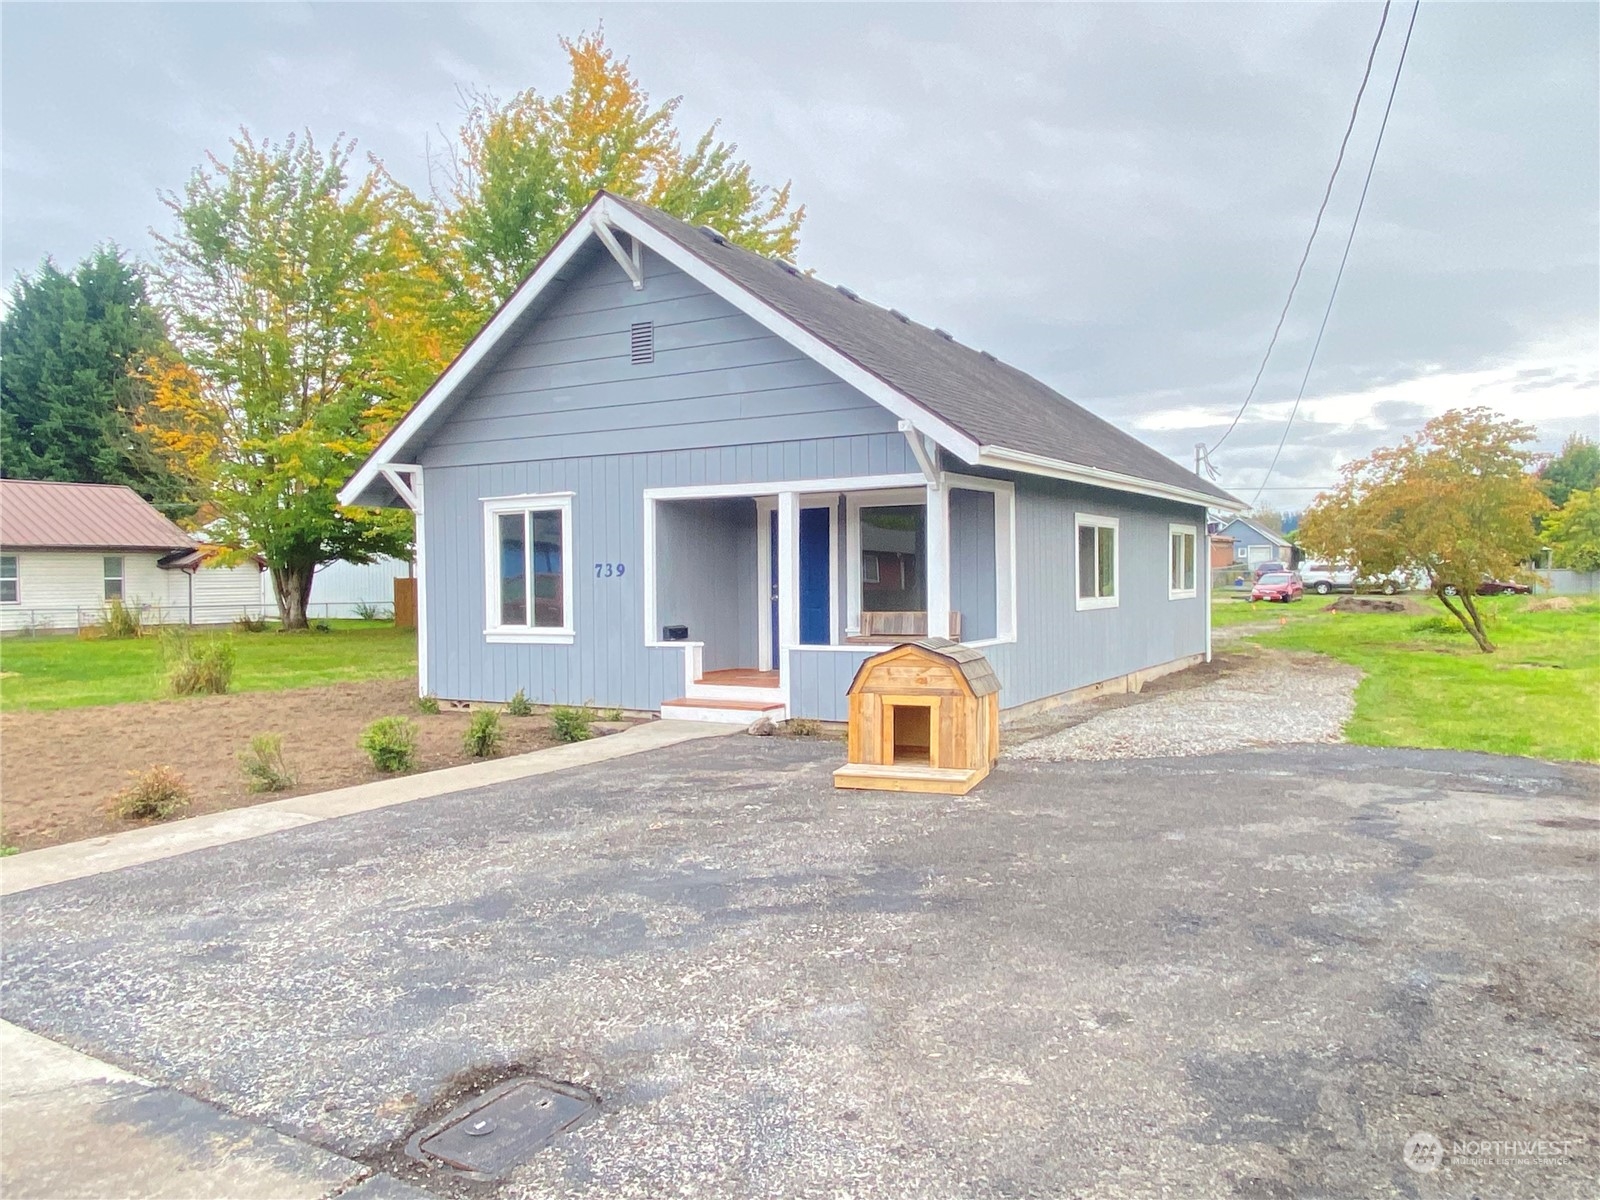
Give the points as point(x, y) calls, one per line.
point(973, 664)
point(1277, 539)
point(978, 408)
point(39, 515)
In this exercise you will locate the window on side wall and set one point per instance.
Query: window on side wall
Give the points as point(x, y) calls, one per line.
point(1097, 561)
point(10, 580)
point(113, 576)
point(528, 577)
point(1181, 567)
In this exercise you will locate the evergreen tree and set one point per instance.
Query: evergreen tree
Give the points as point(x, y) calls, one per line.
point(71, 347)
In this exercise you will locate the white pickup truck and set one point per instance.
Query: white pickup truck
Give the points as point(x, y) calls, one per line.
point(1323, 578)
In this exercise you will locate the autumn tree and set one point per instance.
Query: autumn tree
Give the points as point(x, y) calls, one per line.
point(525, 168)
point(70, 346)
point(309, 310)
point(1573, 531)
point(1454, 502)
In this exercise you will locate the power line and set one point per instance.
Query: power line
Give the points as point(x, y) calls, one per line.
point(1345, 258)
point(1315, 225)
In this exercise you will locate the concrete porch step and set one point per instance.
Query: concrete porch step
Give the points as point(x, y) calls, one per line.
point(725, 711)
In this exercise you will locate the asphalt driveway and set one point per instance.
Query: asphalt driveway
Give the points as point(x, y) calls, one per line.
point(1253, 974)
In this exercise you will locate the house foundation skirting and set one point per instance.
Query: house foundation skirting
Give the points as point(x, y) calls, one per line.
point(1133, 681)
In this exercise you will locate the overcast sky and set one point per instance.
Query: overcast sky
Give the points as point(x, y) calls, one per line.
point(1111, 197)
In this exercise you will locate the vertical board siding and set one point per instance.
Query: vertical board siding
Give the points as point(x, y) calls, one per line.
point(706, 577)
point(972, 564)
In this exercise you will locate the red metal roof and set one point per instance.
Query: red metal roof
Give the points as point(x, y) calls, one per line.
point(82, 516)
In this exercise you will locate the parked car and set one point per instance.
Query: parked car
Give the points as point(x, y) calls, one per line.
point(1495, 587)
point(1270, 568)
point(1390, 585)
point(1324, 578)
point(1280, 585)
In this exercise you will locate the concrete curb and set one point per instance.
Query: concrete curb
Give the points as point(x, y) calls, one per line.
point(77, 860)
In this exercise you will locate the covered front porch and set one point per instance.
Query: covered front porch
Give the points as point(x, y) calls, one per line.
point(742, 578)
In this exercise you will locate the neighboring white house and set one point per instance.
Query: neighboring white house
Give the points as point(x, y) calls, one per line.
point(69, 549)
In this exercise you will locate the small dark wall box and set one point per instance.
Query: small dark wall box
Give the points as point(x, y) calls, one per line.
point(674, 633)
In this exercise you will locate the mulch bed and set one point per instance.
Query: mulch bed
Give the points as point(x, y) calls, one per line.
point(58, 769)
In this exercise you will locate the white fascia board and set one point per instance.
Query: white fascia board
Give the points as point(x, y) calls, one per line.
point(813, 347)
point(1038, 464)
point(467, 361)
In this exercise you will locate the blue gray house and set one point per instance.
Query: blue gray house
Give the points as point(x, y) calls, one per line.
point(673, 475)
point(1254, 543)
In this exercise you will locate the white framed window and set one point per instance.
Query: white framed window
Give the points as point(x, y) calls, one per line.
point(112, 573)
point(1098, 563)
point(10, 580)
point(528, 575)
point(1182, 568)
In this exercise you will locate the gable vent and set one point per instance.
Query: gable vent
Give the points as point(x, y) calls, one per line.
point(642, 342)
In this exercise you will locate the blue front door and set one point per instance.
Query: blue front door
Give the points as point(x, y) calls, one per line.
point(814, 607)
point(815, 579)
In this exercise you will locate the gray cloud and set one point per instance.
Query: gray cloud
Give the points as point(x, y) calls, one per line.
point(1112, 197)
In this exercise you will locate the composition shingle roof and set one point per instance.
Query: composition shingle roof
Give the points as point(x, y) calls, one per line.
point(992, 402)
point(82, 516)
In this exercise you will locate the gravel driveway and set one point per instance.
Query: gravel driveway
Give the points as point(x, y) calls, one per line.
point(1268, 699)
point(1253, 974)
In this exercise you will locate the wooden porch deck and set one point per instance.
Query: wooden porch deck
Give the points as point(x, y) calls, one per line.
point(740, 677)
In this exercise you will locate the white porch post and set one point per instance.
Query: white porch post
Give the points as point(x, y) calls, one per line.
point(788, 581)
point(938, 561)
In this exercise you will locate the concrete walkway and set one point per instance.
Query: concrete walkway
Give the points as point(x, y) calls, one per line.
point(76, 860)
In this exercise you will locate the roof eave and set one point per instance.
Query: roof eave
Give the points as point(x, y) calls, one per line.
point(1004, 458)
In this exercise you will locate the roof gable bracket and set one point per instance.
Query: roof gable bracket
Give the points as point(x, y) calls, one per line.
point(403, 477)
point(926, 453)
point(631, 264)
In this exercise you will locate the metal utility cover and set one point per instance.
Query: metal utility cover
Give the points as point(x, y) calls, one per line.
point(506, 1125)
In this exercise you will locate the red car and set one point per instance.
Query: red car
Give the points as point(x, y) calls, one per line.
point(1496, 587)
point(1280, 585)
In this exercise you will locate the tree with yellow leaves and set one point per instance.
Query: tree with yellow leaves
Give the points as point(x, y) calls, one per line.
point(1454, 502)
point(309, 310)
point(525, 168)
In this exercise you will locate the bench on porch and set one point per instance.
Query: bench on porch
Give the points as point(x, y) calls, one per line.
point(888, 628)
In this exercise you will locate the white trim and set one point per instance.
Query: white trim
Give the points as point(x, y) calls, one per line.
point(493, 507)
point(1039, 464)
point(937, 568)
point(632, 265)
point(1080, 521)
point(419, 523)
point(1005, 552)
point(806, 487)
point(1174, 529)
point(766, 656)
point(929, 462)
point(16, 577)
point(393, 473)
point(692, 265)
point(788, 583)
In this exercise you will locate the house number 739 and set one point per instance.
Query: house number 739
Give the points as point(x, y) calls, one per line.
point(607, 570)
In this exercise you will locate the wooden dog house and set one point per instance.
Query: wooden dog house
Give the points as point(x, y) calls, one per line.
point(924, 717)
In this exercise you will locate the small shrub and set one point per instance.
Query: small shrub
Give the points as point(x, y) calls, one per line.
point(573, 724)
point(1436, 625)
point(613, 714)
point(391, 744)
point(249, 624)
point(7, 850)
point(154, 795)
point(805, 727)
point(197, 667)
point(427, 705)
point(121, 621)
point(518, 705)
point(264, 766)
point(483, 736)
point(366, 610)
point(321, 627)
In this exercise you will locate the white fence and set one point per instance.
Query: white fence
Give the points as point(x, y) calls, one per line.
point(1559, 582)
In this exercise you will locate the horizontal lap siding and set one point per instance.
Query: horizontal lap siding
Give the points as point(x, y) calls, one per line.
point(565, 409)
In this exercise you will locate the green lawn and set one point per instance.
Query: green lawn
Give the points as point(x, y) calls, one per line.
point(63, 672)
point(1427, 685)
point(1229, 608)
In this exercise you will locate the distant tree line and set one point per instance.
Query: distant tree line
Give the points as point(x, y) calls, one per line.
point(302, 299)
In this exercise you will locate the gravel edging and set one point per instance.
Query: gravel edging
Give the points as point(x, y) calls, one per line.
point(1273, 700)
